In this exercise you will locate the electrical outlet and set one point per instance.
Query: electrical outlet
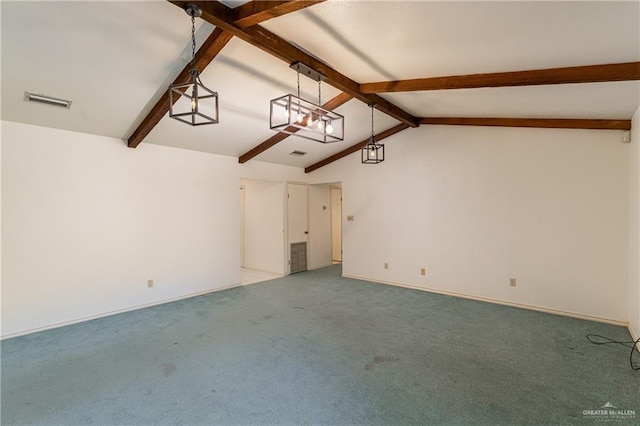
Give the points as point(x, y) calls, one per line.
point(350, 218)
point(423, 271)
point(149, 283)
point(512, 282)
point(386, 265)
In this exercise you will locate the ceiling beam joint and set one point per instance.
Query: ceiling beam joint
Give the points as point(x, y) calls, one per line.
point(265, 40)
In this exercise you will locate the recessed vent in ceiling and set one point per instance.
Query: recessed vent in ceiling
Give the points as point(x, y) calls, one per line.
point(47, 100)
point(298, 153)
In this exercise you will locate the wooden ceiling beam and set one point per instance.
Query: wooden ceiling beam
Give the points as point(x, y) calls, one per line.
point(583, 74)
point(245, 15)
point(218, 15)
point(354, 148)
point(333, 103)
point(544, 123)
point(255, 12)
point(209, 49)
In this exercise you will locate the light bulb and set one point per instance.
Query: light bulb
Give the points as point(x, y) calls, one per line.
point(329, 128)
point(372, 152)
point(320, 124)
point(194, 104)
point(300, 117)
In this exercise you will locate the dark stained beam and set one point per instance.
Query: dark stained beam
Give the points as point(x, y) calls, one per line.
point(333, 103)
point(255, 12)
point(214, 13)
point(583, 74)
point(546, 123)
point(209, 49)
point(354, 148)
point(245, 15)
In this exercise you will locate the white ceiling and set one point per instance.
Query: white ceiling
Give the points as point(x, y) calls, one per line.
point(115, 59)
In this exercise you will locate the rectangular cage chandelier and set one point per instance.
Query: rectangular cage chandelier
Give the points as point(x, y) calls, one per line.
point(293, 115)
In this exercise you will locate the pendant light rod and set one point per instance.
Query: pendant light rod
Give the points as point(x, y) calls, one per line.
point(372, 134)
point(193, 39)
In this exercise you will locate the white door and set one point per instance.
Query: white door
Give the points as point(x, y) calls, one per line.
point(297, 226)
point(336, 224)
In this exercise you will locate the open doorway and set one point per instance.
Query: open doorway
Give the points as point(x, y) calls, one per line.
point(262, 254)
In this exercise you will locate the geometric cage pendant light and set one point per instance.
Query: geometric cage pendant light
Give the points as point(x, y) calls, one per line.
point(293, 115)
point(372, 152)
point(192, 102)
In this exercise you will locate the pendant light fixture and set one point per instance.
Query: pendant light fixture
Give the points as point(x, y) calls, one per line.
point(293, 115)
point(192, 102)
point(372, 152)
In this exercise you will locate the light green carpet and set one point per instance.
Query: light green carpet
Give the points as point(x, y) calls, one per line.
point(316, 348)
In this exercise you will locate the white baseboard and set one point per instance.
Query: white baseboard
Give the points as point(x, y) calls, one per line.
point(118, 311)
point(496, 301)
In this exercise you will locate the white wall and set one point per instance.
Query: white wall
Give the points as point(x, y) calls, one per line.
point(634, 228)
point(87, 221)
point(476, 206)
point(264, 225)
point(319, 226)
point(336, 224)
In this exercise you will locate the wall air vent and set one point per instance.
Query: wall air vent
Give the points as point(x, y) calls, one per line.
point(47, 100)
point(298, 153)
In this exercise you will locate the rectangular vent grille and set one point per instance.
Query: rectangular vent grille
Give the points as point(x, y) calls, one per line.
point(298, 257)
point(47, 100)
point(298, 153)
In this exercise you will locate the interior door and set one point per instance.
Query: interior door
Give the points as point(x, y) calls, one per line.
point(297, 226)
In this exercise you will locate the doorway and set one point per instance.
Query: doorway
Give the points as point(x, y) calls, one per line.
point(262, 230)
point(297, 226)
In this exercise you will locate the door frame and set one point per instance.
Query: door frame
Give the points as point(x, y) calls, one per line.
point(287, 242)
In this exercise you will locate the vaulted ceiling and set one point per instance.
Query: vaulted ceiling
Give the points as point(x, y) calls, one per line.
point(525, 64)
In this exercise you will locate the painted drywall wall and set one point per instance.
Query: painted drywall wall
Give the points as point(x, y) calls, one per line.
point(319, 226)
point(264, 225)
point(336, 224)
point(476, 206)
point(86, 222)
point(634, 227)
point(0, 226)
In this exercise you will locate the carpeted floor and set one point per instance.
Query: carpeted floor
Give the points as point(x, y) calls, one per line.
point(316, 348)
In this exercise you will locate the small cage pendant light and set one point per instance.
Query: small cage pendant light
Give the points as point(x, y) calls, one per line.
point(192, 102)
point(372, 152)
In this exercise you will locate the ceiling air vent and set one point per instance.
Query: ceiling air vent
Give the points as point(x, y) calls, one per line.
point(298, 153)
point(48, 100)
